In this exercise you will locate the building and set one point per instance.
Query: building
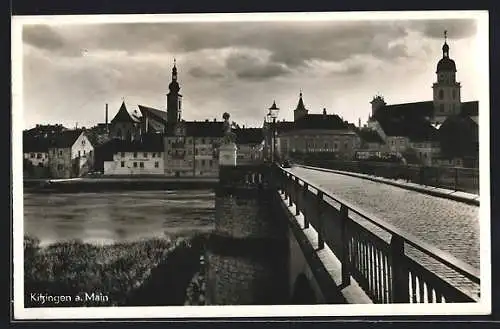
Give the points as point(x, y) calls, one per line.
point(143, 157)
point(124, 125)
point(249, 144)
point(35, 155)
point(371, 144)
point(70, 154)
point(414, 129)
point(192, 148)
point(324, 134)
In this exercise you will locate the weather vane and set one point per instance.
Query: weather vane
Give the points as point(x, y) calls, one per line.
point(445, 35)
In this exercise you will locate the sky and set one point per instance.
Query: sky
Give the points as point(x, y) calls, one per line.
point(70, 71)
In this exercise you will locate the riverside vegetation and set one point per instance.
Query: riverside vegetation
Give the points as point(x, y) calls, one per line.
point(152, 272)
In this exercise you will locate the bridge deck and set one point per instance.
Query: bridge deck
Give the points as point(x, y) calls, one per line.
point(449, 225)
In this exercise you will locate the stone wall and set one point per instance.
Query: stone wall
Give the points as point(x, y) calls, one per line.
point(247, 254)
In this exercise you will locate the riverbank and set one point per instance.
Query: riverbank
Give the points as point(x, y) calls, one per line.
point(96, 184)
point(152, 272)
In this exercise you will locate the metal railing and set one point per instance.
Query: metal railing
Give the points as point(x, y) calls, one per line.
point(383, 269)
point(454, 178)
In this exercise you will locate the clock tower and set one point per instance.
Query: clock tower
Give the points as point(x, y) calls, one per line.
point(174, 99)
point(446, 90)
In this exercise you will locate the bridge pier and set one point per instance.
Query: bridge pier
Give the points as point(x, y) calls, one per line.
point(246, 255)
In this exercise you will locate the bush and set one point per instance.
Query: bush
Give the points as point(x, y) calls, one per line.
point(74, 268)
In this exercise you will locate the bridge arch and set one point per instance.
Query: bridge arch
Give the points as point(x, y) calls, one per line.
point(303, 293)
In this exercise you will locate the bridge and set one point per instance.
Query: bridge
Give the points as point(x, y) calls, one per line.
point(337, 239)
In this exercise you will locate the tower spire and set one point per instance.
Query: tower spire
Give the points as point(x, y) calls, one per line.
point(446, 48)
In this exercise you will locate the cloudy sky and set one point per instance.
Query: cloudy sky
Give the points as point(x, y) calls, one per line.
point(71, 71)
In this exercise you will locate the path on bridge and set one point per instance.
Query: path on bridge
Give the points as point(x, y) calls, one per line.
point(450, 225)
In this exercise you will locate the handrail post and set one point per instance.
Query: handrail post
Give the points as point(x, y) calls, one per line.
point(400, 282)
point(290, 188)
point(321, 241)
point(456, 179)
point(305, 191)
point(346, 264)
point(297, 191)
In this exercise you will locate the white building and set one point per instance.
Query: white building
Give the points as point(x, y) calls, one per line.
point(142, 157)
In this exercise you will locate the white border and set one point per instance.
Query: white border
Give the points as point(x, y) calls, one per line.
point(481, 308)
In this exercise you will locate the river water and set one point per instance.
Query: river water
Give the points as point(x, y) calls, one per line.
point(108, 217)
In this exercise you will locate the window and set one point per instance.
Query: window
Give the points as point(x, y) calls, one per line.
point(153, 155)
point(32, 155)
point(196, 152)
point(123, 154)
point(122, 164)
point(141, 164)
point(345, 145)
point(59, 167)
point(39, 156)
point(441, 94)
point(60, 152)
point(202, 162)
point(145, 155)
point(210, 163)
point(335, 146)
point(40, 164)
point(454, 94)
point(157, 164)
point(79, 154)
point(203, 140)
point(83, 152)
point(135, 154)
point(441, 108)
point(135, 164)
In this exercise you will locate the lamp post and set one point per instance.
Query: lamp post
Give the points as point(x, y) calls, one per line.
point(273, 114)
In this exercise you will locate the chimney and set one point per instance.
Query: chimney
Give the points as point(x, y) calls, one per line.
point(215, 119)
point(206, 120)
point(106, 118)
point(324, 112)
point(359, 122)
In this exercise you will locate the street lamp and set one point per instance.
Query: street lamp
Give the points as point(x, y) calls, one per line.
point(273, 114)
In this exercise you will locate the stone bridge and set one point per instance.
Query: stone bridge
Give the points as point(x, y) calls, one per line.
point(280, 240)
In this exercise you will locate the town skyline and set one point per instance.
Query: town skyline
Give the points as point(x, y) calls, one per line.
point(239, 68)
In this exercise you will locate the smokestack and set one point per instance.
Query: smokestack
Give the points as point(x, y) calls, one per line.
point(106, 115)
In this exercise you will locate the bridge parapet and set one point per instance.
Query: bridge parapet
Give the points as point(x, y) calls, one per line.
point(386, 265)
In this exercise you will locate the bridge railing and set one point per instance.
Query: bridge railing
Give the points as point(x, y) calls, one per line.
point(455, 178)
point(383, 269)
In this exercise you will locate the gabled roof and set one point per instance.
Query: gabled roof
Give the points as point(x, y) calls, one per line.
point(65, 139)
point(470, 108)
point(199, 128)
point(321, 121)
point(147, 143)
point(124, 116)
point(157, 114)
point(370, 136)
point(34, 143)
point(406, 110)
point(249, 135)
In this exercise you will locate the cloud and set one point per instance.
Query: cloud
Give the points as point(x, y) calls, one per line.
point(457, 28)
point(43, 37)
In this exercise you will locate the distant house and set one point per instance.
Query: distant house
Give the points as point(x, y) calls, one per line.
point(137, 157)
point(459, 139)
point(36, 156)
point(314, 134)
point(192, 148)
point(70, 154)
point(249, 143)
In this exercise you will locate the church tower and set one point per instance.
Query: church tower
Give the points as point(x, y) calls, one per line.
point(301, 110)
point(174, 99)
point(446, 89)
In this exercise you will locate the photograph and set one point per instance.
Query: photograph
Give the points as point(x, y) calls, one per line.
point(267, 165)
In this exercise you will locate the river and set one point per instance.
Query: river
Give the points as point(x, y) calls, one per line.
point(108, 217)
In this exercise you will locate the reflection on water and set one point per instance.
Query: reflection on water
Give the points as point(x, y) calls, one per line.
point(116, 216)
